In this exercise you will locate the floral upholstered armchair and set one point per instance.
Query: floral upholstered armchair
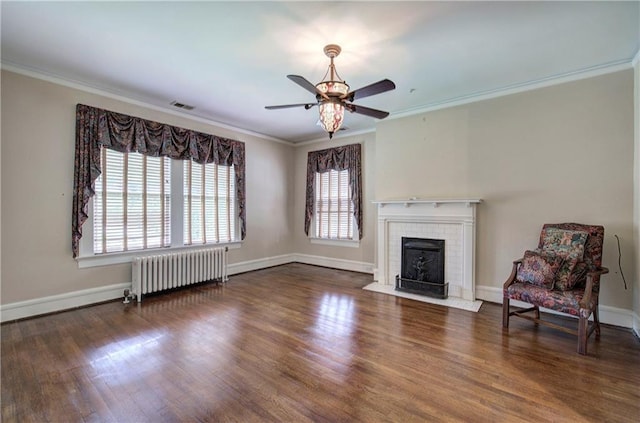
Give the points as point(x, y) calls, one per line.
point(562, 274)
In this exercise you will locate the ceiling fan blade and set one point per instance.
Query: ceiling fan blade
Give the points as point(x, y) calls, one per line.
point(307, 106)
point(304, 83)
point(373, 89)
point(378, 114)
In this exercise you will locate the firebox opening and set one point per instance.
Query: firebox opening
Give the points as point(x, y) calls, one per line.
point(422, 267)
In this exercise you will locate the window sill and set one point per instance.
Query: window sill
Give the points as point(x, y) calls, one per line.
point(352, 243)
point(95, 260)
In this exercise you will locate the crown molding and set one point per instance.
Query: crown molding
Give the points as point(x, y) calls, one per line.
point(55, 79)
point(519, 88)
point(453, 102)
point(336, 137)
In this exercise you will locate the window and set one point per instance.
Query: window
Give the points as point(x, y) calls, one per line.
point(98, 129)
point(333, 215)
point(133, 204)
point(209, 203)
point(333, 208)
point(131, 209)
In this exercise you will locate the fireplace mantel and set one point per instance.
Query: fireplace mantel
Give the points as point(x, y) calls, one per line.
point(450, 219)
point(434, 202)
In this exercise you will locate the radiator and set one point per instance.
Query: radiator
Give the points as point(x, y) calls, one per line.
point(160, 272)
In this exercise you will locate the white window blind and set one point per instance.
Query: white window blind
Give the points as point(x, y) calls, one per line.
point(333, 205)
point(132, 203)
point(209, 203)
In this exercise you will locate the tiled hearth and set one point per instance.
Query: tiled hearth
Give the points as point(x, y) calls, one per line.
point(451, 220)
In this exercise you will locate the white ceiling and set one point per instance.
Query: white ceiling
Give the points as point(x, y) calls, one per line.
point(230, 59)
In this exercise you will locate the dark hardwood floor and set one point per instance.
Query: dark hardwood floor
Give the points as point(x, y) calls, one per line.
point(300, 343)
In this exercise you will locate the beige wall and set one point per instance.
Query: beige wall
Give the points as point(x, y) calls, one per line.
point(562, 153)
point(636, 196)
point(366, 251)
point(556, 154)
point(38, 137)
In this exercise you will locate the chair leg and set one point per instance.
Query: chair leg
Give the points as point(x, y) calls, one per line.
point(537, 312)
point(505, 312)
point(583, 325)
point(596, 321)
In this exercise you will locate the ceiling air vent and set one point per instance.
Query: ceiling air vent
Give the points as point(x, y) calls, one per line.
point(181, 105)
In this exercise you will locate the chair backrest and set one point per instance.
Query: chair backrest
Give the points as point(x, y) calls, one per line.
point(593, 244)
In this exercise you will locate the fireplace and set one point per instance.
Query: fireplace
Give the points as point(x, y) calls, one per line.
point(451, 220)
point(422, 267)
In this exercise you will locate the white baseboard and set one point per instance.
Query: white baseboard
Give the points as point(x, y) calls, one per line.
point(263, 263)
point(616, 316)
point(489, 293)
point(609, 315)
point(54, 303)
point(636, 324)
point(44, 305)
point(335, 263)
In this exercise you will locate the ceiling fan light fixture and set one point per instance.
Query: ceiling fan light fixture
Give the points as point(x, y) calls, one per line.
point(331, 116)
point(332, 85)
point(333, 88)
point(333, 95)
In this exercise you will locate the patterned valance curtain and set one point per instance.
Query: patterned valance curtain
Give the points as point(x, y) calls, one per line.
point(96, 128)
point(337, 158)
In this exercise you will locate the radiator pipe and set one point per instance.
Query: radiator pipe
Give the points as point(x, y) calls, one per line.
point(128, 296)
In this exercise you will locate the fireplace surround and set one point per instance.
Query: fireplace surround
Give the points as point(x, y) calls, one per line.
point(452, 220)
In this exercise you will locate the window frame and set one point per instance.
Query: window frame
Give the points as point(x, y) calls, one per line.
point(87, 258)
point(230, 228)
point(354, 241)
point(138, 176)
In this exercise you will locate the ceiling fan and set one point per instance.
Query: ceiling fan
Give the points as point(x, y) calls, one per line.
point(333, 95)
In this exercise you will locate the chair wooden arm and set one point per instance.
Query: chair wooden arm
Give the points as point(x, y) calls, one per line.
point(512, 276)
point(586, 299)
